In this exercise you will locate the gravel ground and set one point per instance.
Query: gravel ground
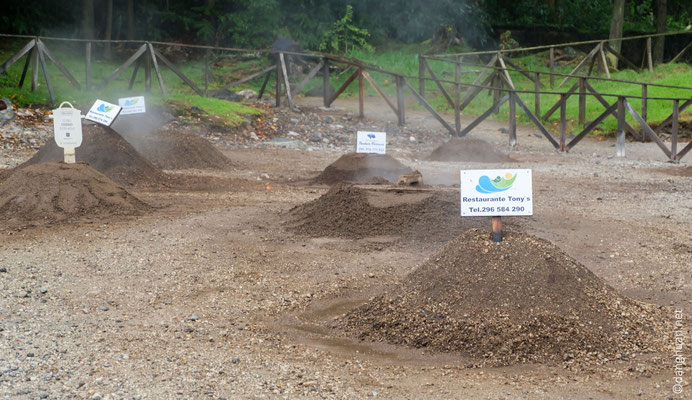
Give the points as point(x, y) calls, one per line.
point(210, 296)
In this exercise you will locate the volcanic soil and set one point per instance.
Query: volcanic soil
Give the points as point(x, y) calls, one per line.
point(256, 282)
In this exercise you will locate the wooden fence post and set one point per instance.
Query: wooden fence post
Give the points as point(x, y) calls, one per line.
point(620, 142)
point(34, 68)
point(674, 133)
point(582, 101)
point(277, 86)
point(400, 104)
point(26, 67)
point(537, 94)
point(325, 83)
point(552, 67)
point(563, 124)
point(361, 95)
point(87, 84)
point(644, 101)
point(512, 119)
point(421, 75)
point(457, 96)
point(648, 54)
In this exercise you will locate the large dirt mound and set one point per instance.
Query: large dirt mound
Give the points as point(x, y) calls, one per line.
point(362, 168)
point(107, 152)
point(468, 149)
point(177, 150)
point(351, 212)
point(516, 301)
point(50, 192)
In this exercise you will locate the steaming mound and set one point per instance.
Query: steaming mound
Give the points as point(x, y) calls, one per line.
point(347, 211)
point(49, 192)
point(468, 149)
point(178, 150)
point(108, 153)
point(362, 168)
point(516, 301)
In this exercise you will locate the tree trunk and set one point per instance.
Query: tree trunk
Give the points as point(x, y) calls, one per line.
point(109, 29)
point(130, 20)
point(616, 24)
point(659, 42)
point(88, 19)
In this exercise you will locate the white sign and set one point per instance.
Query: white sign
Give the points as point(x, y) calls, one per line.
point(132, 105)
point(372, 142)
point(67, 126)
point(496, 192)
point(103, 112)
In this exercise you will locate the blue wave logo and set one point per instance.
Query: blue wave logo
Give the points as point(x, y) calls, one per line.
point(499, 184)
point(104, 108)
point(131, 102)
point(371, 135)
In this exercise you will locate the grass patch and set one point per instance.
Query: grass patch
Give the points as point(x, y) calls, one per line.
point(221, 112)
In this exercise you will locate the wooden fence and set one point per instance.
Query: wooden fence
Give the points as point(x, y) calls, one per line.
point(495, 78)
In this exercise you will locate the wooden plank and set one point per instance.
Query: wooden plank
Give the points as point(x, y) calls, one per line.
point(147, 73)
point(578, 67)
point(681, 53)
point(87, 67)
point(552, 67)
point(513, 119)
point(650, 62)
point(58, 64)
point(469, 95)
point(485, 115)
point(342, 88)
point(563, 125)
point(604, 61)
point(264, 84)
point(44, 67)
point(645, 101)
point(401, 106)
point(326, 83)
point(422, 62)
point(563, 98)
point(25, 69)
point(7, 64)
point(284, 72)
point(457, 97)
point(684, 151)
point(313, 72)
point(645, 127)
point(591, 65)
point(504, 71)
point(428, 107)
point(277, 84)
point(537, 94)
point(536, 122)
point(592, 125)
point(518, 68)
point(582, 101)
point(177, 72)
point(134, 74)
point(122, 67)
point(155, 63)
point(674, 133)
point(620, 56)
point(34, 69)
point(439, 85)
point(245, 79)
point(361, 95)
point(670, 117)
point(379, 91)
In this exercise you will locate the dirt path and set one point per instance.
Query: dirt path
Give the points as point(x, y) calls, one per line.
point(211, 296)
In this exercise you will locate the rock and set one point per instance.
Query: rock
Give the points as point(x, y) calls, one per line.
point(254, 136)
point(3, 269)
point(248, 94)
point(43, 290)
point(291, 133)
point(235, 360)
point(85, 310)
point(412, 139)
point(6, 111)
point(193, 318)
point(103, 308)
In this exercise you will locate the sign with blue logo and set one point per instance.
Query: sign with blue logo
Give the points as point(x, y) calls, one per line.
point(103, 112)
point(496, 192)
point(132, 105)
point(371, 142)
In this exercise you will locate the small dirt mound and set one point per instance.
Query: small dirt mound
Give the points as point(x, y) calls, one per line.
point(108, 153)
point(54, 192)
point(176, 150)
point(468, 149)
point(362, 168)
point(516, 301)
point(350, 212)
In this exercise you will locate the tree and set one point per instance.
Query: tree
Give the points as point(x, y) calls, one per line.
point(130, 20)
point(88, 19)
point(616, 24)
point(661, 20)
point(109, 28)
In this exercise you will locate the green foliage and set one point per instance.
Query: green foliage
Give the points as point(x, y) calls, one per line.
point(345, 36)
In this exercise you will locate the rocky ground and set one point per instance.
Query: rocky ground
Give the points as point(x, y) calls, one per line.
point(212, 294)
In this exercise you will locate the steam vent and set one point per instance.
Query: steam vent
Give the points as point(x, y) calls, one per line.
point(363, 168)
point(522, 300)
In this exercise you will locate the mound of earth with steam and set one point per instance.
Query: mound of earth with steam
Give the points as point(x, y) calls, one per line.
point(108, 153)
point(363, 168)
point(468, 149)
point(520, 300)
point(175, 150)
point(53, 192)
point(351, 212)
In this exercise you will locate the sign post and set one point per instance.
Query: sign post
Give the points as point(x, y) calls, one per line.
point(67, 127)
point(494, 193)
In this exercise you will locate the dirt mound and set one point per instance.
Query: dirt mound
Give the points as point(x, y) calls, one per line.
point(347, 211)
point(51, 192)
point(516, 301)
point(468, 149)
point(176, 150)
point(108, 153)
point(684, 172)
point(362, 168)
